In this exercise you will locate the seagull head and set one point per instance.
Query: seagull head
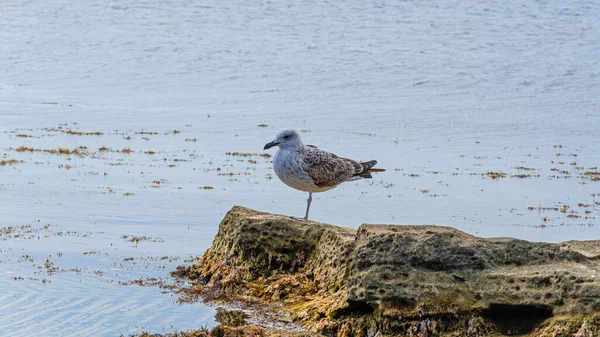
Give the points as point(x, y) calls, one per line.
point(285, 139)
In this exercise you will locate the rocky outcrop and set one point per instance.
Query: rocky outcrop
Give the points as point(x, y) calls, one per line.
point(389, 280)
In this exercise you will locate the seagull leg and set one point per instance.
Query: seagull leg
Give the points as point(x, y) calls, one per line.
point(308, 201)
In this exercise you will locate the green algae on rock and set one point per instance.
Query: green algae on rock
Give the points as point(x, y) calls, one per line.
point(390, 280)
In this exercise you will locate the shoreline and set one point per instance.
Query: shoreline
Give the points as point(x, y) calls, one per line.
point(393, 280)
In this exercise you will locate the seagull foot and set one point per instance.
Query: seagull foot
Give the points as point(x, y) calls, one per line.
point(299, 219)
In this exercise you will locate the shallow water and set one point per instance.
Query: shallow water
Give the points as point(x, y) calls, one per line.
point(440, 93)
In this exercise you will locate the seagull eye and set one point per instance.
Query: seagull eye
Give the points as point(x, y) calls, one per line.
point(286, 137)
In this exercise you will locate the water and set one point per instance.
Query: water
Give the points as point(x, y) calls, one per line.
point(439, 92)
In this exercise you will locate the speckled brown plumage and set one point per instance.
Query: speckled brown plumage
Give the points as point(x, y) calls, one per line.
point(327, 169)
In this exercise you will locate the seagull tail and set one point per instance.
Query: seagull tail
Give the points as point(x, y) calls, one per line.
point(368, 169)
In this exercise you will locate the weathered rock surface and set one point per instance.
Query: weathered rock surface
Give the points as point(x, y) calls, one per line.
point(390, 280)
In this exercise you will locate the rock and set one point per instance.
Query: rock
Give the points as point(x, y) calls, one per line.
point(393, 280)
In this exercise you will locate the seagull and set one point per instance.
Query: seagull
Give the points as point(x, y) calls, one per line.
point(309, 169)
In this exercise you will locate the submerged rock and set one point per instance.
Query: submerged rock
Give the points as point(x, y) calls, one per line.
point(390, 280)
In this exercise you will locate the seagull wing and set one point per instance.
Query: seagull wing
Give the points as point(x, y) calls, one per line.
point(326, 169)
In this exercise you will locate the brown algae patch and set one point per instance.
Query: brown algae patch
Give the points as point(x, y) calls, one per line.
point(136, 239)
point(60, 150)
point(24, 148)
point(247, 154)
point(524, 176)
point(494, 175)
point(21, 231)
point(240, 154)
point(5, 162)
point(79, 133)
point(565, 172)
point(542, 208)
point(592, 175)
point(159, 183)
point(524, 168)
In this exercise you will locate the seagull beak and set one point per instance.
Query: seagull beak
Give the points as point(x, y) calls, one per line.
point(270, 145)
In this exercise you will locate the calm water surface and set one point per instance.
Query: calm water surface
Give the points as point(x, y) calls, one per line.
point(444, 94)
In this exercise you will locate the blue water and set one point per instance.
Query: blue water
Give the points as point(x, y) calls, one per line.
point(439, 92)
